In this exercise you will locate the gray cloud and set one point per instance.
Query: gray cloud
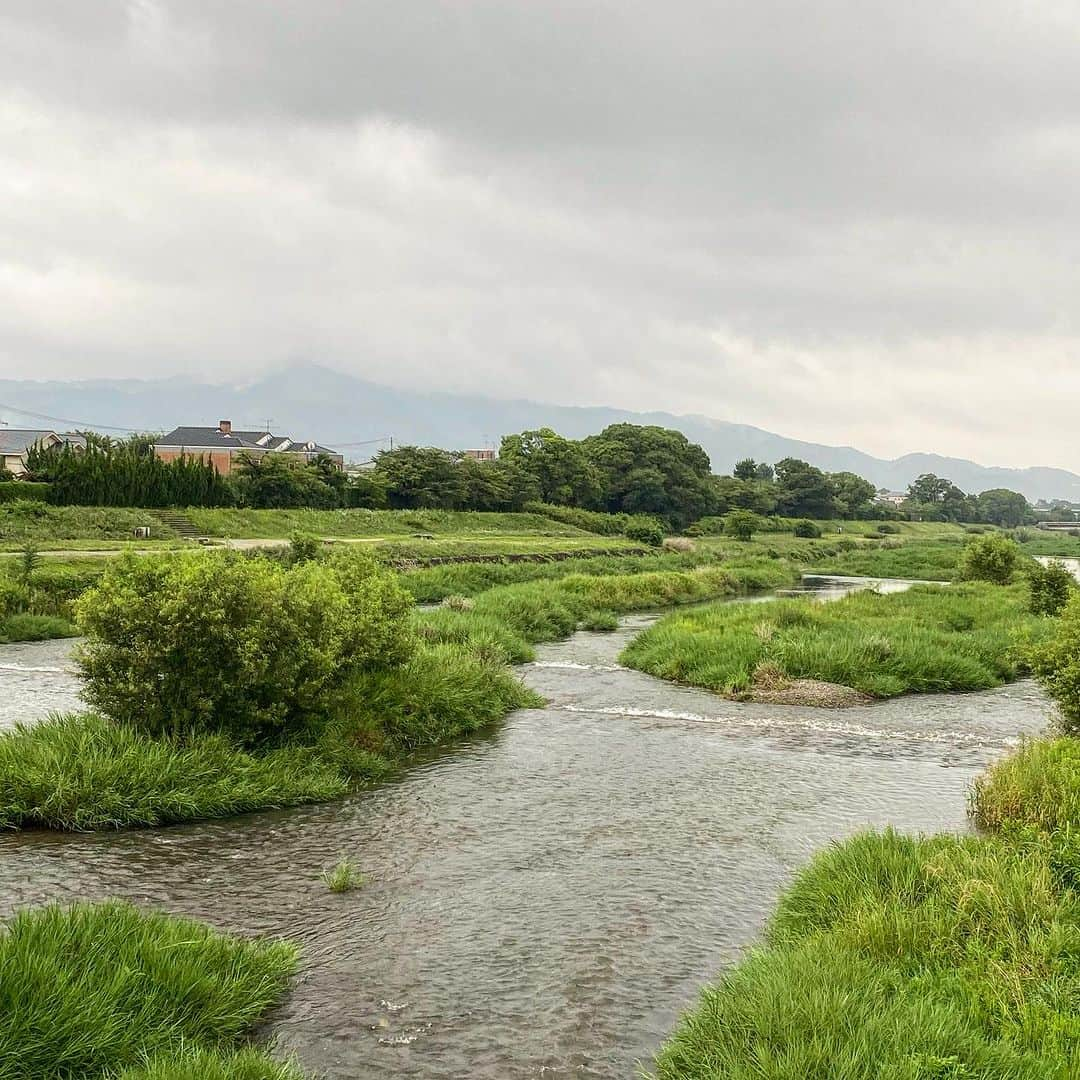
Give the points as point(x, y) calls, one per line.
point(851, 221)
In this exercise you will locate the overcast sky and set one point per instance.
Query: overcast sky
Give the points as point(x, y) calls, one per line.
point(850, 221)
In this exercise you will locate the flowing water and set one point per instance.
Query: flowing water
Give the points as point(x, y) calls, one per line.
point(545, 901)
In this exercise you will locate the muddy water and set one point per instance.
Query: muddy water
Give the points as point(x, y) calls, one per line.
point(546, 901)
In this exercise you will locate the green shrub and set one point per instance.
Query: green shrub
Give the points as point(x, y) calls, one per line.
point(23, 491)
point(91, 990)
point(887, 527)
point(1049, 588)
point(1055, 661)
point(989, 558)
point(741, 524)
point(807, 529)
point(694, 530)
point(645, 532)
point(304, 547)
point(216, 642)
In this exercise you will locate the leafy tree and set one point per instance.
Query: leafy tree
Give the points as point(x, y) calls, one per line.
point(421, 478)
point(745, 469)
point(803, 490)
point(732, 494)
point(560, 468)
point(854, 496)
point(807, 530)
point(277, 481)
point(367, 489)
point(764, 473)
point(1049, 588)
point(652, 470)
point(741, 524)
point(992, 557)
point(1000, 506)
point(237, 645)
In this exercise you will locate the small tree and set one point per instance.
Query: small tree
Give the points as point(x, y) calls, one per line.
point(990, 558)
point(1049, 588)
point(236, 645)
point(741, 524)
point(807, 530)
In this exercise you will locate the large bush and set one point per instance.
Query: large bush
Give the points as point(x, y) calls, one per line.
point(990, 558)
point(645, 531)
point(807, 529)
point(1049, 587)
point(244, 646)
point(741, 524)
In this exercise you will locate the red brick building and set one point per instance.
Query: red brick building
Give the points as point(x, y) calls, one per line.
point(220, 446)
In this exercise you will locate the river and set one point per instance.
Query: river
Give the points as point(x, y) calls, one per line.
point(547, 900)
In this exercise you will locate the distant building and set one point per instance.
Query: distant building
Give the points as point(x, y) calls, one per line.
point(892, 498)
point(220, 446)
point(16, 443)
point(480, 455)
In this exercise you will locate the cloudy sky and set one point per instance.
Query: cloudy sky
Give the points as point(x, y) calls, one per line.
point(851, 221)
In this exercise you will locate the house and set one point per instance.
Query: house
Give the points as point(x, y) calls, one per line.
point(221, 445)
point(16, 443)
point(480, 455)
point(892, 498)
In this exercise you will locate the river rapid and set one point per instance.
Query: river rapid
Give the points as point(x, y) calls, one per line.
point(547, 900)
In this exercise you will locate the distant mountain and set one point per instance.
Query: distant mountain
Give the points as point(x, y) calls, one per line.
point(344, 412)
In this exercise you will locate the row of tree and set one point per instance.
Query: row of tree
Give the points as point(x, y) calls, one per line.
point(626, 468)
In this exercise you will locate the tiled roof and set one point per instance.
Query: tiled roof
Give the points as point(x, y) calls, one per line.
point(238, 440)
point(19, 440)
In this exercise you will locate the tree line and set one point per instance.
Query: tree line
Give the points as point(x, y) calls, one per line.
point(625, 469)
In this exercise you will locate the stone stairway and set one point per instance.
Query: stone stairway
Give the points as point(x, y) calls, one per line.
point(178, 523)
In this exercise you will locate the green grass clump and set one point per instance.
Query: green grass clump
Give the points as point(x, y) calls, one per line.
point(906, 959)
point(211, 1065)
point(433, 583)
point(600, 621)
point(101, 990)
point(1037, 786)
point(85, 772)
point(343, 876)
point(27, 627)
point(919, 560)
point(963, 637)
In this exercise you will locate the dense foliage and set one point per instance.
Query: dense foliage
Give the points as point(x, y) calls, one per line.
point(224, 643)
point(125, 473)
point(992, 557)
point(1049, 587)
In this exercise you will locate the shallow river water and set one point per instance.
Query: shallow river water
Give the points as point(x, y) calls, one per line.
point(545, 901)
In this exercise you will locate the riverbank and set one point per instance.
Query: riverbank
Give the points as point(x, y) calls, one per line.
point(938, 956)
point(862, 647)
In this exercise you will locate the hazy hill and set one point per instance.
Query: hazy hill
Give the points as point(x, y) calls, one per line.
point(336, 409)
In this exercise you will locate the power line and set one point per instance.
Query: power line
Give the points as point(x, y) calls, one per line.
point(64, 420)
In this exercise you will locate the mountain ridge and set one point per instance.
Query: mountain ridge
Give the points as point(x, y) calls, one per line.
point(311, 401)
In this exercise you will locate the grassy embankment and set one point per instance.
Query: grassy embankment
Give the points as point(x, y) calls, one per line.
point(90, 773)
point(106, 992)
point(927, 639)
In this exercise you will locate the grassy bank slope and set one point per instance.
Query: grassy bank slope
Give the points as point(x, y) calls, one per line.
point(106, 991)
point(898, 958)
point(927, 639)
